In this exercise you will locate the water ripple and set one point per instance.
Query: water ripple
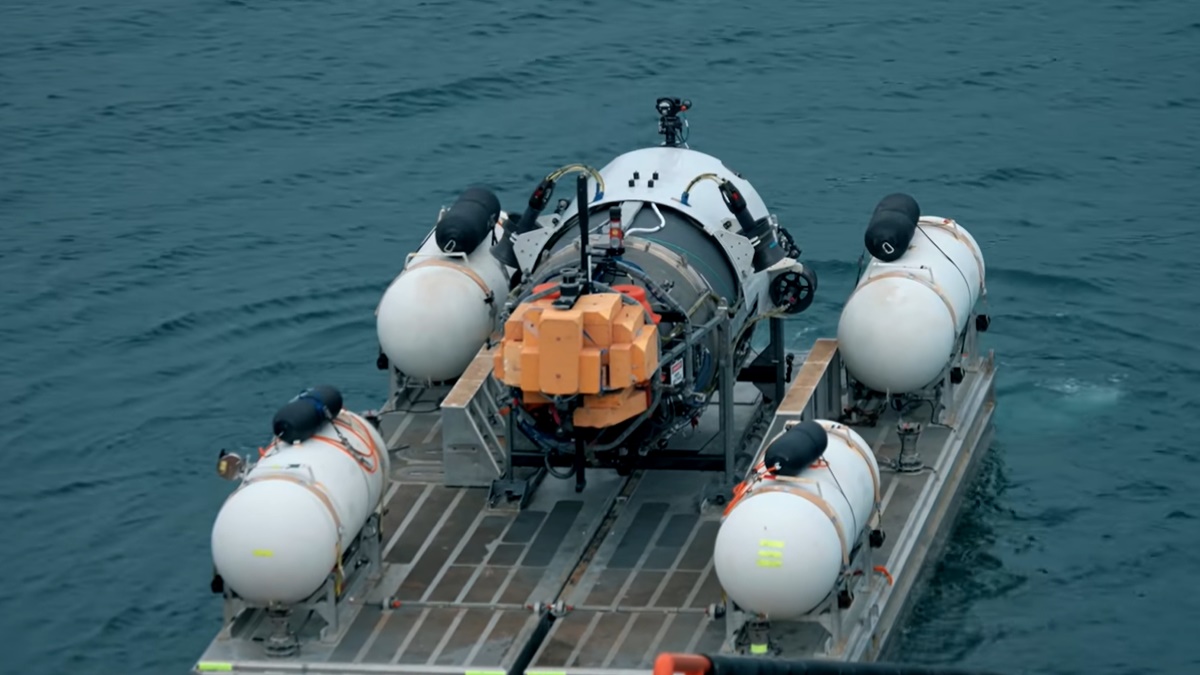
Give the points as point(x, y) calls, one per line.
point(202, 205)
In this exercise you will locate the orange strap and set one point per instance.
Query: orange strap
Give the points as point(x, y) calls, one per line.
point(363, 435)
point(886, 574)
point(758, 474)
point(373, 451)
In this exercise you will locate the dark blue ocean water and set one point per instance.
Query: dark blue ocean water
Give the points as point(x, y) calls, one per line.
point(201, 202)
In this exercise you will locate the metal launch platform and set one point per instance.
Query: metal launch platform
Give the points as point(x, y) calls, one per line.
point(468, 578)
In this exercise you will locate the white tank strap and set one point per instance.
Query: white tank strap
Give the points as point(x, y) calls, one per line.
point(438, 262)
point(489, 296)
point(952, 227)
point(315, 488)
point(791, 486)
point(923, 279)
point(835, 429)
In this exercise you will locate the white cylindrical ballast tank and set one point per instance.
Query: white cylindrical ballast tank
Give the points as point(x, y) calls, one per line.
point(783, 541)
point(439, 311)
point(282, 532)
point(899, 327)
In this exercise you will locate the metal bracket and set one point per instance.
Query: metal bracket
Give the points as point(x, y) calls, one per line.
point(514, 493)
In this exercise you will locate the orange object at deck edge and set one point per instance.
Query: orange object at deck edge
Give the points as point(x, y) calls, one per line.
point(668, 663)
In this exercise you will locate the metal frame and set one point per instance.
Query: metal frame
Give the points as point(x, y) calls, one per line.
point(474, 439)
point(828, 401)
point(744, 632)
point(362, 568)
point(849, 629)
point(476, 454)
point(940, 394)
point(855, 632)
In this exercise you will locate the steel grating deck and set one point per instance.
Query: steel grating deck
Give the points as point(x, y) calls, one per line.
point(632, 555)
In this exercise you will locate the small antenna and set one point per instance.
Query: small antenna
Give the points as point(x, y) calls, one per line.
point(585, 262)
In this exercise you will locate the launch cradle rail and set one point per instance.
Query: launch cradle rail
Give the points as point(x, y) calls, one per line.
point(474, 550)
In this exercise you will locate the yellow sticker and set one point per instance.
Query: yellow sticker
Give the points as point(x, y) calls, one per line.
point(758, 649)
point(769, 563)
point(770, 543)
point(214, 667)
point(263, 553)
point(770, 554)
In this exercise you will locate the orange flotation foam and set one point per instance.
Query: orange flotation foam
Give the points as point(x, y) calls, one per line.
point(601, 348)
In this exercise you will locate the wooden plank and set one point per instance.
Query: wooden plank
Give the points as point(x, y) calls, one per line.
point(471, 380)
point(809, 377)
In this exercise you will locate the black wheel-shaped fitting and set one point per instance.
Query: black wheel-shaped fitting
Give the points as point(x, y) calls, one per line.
point(794, 290)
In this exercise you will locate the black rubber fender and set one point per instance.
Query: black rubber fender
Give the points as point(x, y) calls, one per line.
point(300, 419)
point(468, 222)
point(892, 226)
point(796, 449)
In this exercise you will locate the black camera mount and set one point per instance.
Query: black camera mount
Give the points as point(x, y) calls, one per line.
point(670, 125)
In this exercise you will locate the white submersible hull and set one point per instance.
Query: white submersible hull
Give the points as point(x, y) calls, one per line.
point(594, 464)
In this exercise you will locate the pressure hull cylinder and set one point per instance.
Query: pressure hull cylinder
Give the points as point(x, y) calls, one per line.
point(781, 545)
point(898, 329)
point(280, 534)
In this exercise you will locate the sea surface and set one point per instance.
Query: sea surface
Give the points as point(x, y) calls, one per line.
point(202, 200)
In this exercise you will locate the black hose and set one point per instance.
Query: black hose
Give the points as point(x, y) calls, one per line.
point(745, 665)
point(531, 647)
